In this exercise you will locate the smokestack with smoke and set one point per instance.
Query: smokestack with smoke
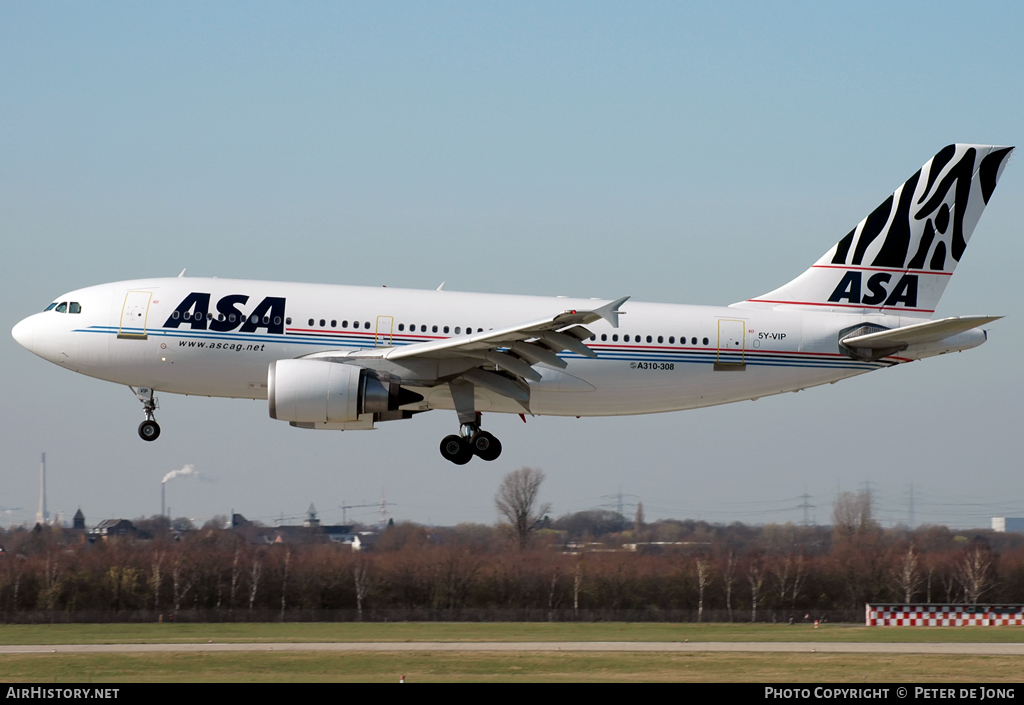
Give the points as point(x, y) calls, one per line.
point(189, 469)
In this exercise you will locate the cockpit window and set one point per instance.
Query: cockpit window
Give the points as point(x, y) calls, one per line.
point(50, 307)
point(63, 307)
point(74, 307)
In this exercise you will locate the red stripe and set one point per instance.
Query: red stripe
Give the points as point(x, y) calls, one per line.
point(815, 303)
point(880, 269)
point(322, 331)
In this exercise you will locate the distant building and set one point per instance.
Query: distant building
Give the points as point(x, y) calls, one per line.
point(1012, 524)
point(311, 518)
point(113, 527)
point(79, 520)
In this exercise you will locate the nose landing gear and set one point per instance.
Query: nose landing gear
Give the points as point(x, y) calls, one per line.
point(149, 430)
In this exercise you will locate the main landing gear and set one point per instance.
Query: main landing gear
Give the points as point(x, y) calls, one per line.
point(149, 430)
point(472, 441)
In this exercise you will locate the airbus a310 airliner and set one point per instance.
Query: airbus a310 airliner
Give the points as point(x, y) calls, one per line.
point(344, 357)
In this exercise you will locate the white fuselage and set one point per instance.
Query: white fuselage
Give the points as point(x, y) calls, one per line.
point(662, 357)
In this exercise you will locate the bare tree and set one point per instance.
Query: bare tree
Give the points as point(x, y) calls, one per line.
point(577, 583)
point(254, 582)
point(551, 595)
point(755, 576)
point(234, 578)
point(974, 573)
point(182, 577)
point(516, 500)
point(799, 578)
point(908, 576)
point(284, 580)
point(852, 512)
point(155, 577)
point(362, 585)
point(782, 565)
point(728, 577)
point(703, 580)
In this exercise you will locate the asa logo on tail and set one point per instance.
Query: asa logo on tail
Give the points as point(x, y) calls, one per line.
point(880, 290)
point(195, 312)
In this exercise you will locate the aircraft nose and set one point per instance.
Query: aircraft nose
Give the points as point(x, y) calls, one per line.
point(24, 332)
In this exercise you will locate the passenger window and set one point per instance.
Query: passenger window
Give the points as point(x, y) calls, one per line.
point(277, 320)
point(434, 329)
point(705, 341)
point(660, 339)
point(62, 307)
point(615, 338)
point(693, 341)
point(175, 316)
point(231, 317)
point(446, 329)
point(75, 307)
point(625, 338)
point(50, 307)
point(355, 324)
point(649, 339)
point(311, 321)
point(604, 336)
point(593, 337)
point(266, 320)
point(366, 325)
point(401, 326)
point(344, 324)
point(671, 340)
point(423, 329)
point(287, 321)
point(457, 330)
point(334, 324)
point(322, 323)
point(209, 316)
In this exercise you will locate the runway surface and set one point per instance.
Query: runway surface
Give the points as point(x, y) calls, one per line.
point(569, 646)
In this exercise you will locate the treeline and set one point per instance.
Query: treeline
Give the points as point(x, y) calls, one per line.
point(572, 567)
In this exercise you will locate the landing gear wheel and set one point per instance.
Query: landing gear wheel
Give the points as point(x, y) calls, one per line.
point(485, 446)
point(149, 430)
point(456, 449)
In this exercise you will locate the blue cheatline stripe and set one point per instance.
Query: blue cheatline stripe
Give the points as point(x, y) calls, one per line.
point(340, 340)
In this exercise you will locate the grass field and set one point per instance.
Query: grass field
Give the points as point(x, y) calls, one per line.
point(428, 666)
point(490, 631)
point(494, 667)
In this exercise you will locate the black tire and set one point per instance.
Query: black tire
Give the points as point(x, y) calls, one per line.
point(456, 449)
point(485, 446)
point(149, 430)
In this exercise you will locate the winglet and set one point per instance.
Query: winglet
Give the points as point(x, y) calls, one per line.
point(610, 312)
point(182, 275)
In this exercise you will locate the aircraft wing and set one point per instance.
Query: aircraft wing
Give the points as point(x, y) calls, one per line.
point(928, 332)
point(502, 360)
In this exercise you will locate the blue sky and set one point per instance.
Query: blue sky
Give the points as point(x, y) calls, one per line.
point(690, 153)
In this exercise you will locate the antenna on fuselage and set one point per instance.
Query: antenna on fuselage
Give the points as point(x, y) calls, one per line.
point(441, 288)
point(182, 275)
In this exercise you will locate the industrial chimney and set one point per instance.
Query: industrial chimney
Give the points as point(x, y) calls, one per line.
point(42, 516)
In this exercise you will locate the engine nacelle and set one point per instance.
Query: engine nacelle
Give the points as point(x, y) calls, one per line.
point(317, 391)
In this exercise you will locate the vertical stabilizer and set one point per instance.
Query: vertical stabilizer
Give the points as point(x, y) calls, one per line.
point(900, 258)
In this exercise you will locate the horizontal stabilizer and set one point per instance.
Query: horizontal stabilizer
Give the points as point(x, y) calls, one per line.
point(918, 333)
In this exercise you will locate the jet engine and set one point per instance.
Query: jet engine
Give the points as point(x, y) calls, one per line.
point(318, 391)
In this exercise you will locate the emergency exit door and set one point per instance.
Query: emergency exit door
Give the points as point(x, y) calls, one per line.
point(385, 329)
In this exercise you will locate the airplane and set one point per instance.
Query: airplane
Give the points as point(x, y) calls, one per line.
point(347, 358)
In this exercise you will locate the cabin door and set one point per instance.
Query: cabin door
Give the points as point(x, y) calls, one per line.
point(134, 315)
